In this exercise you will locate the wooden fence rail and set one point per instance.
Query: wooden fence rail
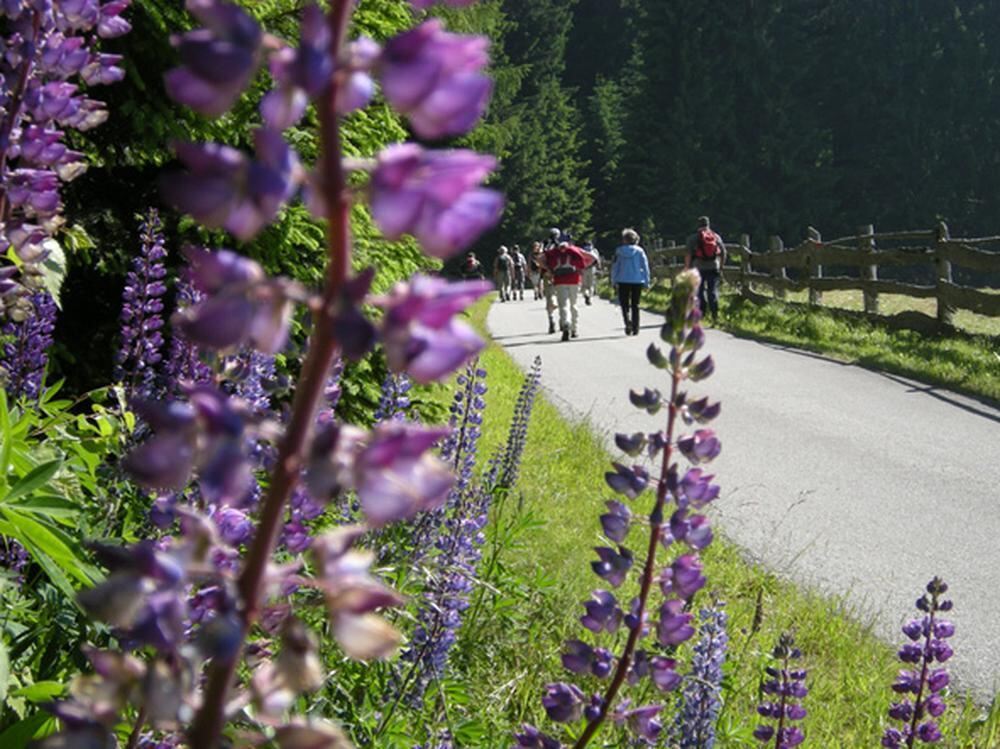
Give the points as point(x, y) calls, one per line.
point(812, 259)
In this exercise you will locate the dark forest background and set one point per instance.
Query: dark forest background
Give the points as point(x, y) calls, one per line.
point(769, 116)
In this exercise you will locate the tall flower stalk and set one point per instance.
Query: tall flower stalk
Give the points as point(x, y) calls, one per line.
point(785, 686)
point(141, 350)
point(701, 694)
point(453, 534)
point(47, 47)
point(205, 434)
point(681, 528)
point(920, 686)
point(25, 347)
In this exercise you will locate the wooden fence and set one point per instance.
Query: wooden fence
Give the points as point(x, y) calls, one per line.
point(866, 252)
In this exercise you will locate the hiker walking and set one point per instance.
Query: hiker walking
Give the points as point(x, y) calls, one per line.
point(630, 272)
point(503, 268)
point(537, 265)
point(567, 263)
point(548, 282)
point(520, 271)
point(706, 252)
point(589, 286)
point(471, 267)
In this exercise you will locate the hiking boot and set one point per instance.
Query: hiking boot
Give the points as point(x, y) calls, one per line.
point(573, 334)
point(552, 327)
point(565, 335)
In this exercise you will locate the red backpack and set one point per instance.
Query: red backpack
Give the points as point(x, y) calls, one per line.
point(707, 247)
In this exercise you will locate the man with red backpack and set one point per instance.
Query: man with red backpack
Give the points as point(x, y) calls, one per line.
point(707, 253)
point(566, 262)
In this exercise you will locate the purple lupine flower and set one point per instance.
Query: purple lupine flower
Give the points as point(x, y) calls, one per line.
point(390, 468)
point(301, 73)
point(927, 647)
point(394, 401)
point(700, 447)
point(433, 195)
point(678, 581)
point(455, 534)
point(25, 356)
point(218, 61)
point(184, 363)
point(563, 702)
point(13, 557)
point(419, 331)
point(240, 304)
point(517, 434)
point(435, 78)
point(223, 188)
point(615, 522)
point(531, 738)
point(785, 685)
point(205, 434)
point(46, 45)
point(700, 700)
point(602, 612)
point(142, 314)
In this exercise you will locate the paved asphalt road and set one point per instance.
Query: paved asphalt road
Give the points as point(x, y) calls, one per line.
point(844, 479)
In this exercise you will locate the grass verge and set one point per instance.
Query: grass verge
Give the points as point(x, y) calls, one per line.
point(964, 361)
point(536, 574)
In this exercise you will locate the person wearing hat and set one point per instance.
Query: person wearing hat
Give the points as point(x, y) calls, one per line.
point(548, 284)
point(706, 252)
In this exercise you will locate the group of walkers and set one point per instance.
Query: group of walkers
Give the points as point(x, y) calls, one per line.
point(559, 271)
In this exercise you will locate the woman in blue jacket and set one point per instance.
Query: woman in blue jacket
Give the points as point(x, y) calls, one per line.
point(630, 272)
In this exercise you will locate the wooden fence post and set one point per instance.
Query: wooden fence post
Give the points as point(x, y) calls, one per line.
point(815, 268)
point(945, 311)
point(869, 270)
point(775, 244)
point(744, 264)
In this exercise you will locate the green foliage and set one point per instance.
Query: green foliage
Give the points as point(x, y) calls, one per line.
point(58, 488)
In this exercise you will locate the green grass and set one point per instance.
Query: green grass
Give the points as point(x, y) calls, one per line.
point(966, 360)
point(537, 574)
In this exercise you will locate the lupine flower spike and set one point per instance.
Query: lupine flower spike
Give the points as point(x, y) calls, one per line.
point(48, 46)
point(784, 687)
point(679, 527)
point(701, 701)
point(920, 686)
point(198, 604)
point(141, 347)
point(24, 355)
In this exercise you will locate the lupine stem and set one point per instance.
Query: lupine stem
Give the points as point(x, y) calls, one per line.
point(779, 732)
point(309, 392)
point(655, 528)
point(918, 713)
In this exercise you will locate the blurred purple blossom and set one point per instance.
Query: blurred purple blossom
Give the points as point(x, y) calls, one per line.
point(240, 305)
point(223, 188)
point(435, 196)
point(218, 61)
point(419, 332)
point(435, 78)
